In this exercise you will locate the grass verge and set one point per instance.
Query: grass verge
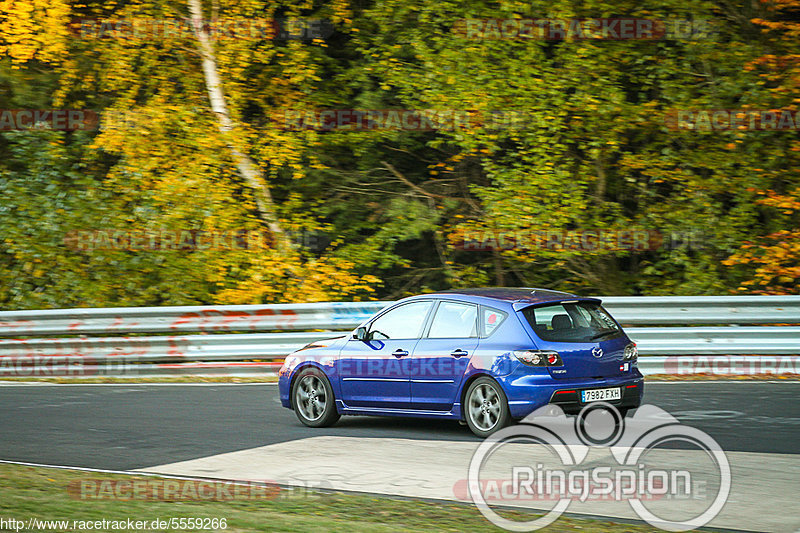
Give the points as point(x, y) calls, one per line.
point(36, 492)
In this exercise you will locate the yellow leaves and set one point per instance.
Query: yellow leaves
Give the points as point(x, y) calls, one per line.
point(34, 29)
point(773, 261)
point(17, 30)
point(787, 203)
point(287, 277)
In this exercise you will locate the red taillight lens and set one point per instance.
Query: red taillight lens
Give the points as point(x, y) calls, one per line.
point(538, 357)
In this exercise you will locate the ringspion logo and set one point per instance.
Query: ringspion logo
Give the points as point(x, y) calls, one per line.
point(545, 458)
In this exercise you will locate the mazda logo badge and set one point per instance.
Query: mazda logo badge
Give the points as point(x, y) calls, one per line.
point(597, 351)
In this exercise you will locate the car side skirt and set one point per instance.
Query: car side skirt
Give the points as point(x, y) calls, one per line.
point(454, 413)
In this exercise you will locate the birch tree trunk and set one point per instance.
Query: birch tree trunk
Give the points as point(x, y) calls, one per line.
point(247, 169)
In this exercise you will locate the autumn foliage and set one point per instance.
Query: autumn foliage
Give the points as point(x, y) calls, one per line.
point(569, 136)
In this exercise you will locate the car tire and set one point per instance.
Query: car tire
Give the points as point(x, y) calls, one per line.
point(312, 399)
point(486, 407)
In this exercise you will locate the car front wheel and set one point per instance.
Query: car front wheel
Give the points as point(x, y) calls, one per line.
point(486, 407)
point(313, 399)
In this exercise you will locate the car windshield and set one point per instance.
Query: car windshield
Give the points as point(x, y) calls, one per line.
point(571, 322)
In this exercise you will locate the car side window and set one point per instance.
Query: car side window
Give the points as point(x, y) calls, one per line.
point(454, 320)
point(491, 319)
point(402, 322)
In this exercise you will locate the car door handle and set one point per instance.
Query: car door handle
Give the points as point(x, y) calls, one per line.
point(400, 353)
point(459, 353)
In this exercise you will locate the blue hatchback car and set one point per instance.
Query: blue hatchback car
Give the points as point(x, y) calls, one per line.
point(483, 356)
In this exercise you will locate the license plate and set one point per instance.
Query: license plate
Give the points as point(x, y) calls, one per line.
point(599, 395)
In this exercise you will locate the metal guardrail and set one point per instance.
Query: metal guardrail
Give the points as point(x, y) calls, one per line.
point(757, 340)
point(632, 310)
point(720, 365)
point(765, 340)
point(208, 319)
point(106, 350)
point(91, 341)
point(695, 310)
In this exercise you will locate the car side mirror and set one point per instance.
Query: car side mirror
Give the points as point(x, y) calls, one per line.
point(361, 334)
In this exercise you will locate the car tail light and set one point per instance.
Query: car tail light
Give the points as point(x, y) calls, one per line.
point(631, 352)
point(539, 357)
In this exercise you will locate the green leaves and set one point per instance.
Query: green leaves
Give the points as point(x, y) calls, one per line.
point(566, 136)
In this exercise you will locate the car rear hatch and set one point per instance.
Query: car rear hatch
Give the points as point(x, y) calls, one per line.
point(588, 340)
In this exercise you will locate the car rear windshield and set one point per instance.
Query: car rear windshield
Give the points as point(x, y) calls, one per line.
point(572, 322)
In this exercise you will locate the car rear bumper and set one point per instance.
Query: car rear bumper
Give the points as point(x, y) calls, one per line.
point(569, 399)
point(526, 394)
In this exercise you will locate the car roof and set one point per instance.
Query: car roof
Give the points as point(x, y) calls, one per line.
point(523, 296)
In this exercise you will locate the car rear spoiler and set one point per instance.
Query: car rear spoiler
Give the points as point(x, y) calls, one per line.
point(519, 306)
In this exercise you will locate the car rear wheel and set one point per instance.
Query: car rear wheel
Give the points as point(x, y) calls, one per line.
point(313, 399)
point(486, 407)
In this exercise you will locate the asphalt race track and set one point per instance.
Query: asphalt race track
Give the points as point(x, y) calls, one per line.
point(124, 427)
point(240, 432)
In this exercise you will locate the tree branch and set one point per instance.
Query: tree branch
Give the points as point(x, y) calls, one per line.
point(413, 185)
